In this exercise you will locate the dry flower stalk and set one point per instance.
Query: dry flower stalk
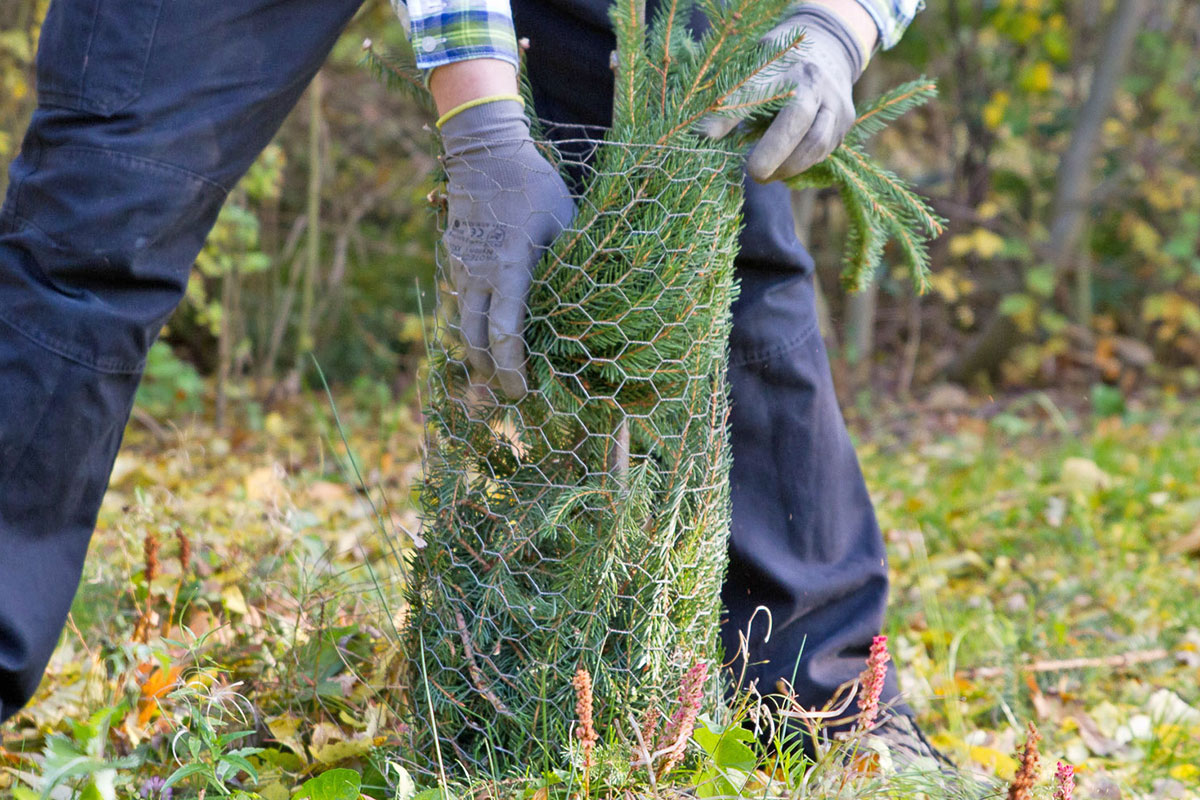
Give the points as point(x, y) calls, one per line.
point(1022, 784)
point(185, 565)
point(585, 732)
point(679, 728)
point(152, 569)
point(185, 551)
point(649, 735)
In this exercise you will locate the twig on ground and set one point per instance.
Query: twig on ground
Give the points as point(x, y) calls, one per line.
point(1060, 665)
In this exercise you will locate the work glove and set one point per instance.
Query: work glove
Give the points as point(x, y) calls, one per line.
point(821, 70)
point(505, 205)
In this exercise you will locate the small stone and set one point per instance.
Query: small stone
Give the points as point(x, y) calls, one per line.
point(947, 397)
point(1100, 788)
point(1168, 789)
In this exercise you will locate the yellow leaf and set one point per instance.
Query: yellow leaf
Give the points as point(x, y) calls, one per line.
point(1002, 764)
point(335, 752)
point(274, 791)
point(982, 242)
point(1039, 78)
point(1084, 476)
point(233, 600)
point(993, 112)
point(987, 243)
point(960, 245)
point(274, 425)
point(1185, 773)
point(265, 485)
point(285, 729)
point(945, 285)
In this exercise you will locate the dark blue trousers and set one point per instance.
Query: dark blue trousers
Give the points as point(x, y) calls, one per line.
point(148, 113)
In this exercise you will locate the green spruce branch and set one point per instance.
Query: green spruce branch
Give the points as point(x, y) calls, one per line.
point(880, 206)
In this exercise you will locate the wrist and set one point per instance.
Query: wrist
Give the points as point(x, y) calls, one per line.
point(857, 26)
point(453, 85)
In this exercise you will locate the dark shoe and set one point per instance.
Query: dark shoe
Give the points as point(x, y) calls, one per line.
point(902, 750)
point(907, 745)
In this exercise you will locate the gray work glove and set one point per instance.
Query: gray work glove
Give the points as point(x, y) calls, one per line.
point(822, 71)
point(505, 205)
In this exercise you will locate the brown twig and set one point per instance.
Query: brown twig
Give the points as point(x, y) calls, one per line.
point(1112, 662)
point(473, 668)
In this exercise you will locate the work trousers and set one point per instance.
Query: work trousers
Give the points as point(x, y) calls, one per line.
point(148, 113)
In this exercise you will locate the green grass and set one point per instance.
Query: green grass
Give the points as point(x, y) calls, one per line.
point(1027, 536)
point(1021, 540)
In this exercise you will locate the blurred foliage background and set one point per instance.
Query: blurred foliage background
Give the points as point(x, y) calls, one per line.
point(1064, 150)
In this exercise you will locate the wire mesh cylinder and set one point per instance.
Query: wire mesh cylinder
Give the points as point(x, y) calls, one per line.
point(586, 524)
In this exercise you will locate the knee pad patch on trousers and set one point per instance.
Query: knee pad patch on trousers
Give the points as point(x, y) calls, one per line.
point(102, 243)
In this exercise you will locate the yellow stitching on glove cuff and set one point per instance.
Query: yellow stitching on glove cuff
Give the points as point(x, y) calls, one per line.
point(478, 101)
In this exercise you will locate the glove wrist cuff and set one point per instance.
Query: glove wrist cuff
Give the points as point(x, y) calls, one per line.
point(823, 18)
point(479, 101)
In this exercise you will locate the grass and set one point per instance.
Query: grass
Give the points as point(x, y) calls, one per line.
point(1021, 541)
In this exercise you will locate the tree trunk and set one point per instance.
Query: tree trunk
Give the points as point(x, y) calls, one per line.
point(860, 331)
point(313, 252)
point(804, 205)
point(1072, 186)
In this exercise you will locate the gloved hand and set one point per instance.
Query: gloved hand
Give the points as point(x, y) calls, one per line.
point(506, 204)
point(822, 71)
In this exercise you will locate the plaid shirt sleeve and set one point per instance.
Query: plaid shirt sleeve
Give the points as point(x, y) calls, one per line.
point(445, 31)
point(892, 17)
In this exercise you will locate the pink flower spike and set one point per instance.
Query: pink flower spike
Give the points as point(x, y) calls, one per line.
point(1064, 778)
point(871, 682)
point(679, 728)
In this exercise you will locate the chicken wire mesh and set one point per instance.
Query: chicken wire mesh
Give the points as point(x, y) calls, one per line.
point(584, 525)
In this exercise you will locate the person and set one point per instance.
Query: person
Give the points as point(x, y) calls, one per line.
point(149, 111)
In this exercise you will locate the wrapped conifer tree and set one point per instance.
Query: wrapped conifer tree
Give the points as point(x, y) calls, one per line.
point(585, 525)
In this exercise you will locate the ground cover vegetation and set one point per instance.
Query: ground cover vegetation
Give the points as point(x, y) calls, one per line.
point(239, 625)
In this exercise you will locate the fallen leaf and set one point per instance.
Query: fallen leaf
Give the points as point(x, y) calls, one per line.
point(233, 600)
point(1166, 706)
point(1001, 764)
point(1082, 475)
point(1187, 773)
point(327, 492)
point(265, 485)
point(157, 686)
point(1186, 545)
point(336, 752)
point(285, 729)
point(1093, 738)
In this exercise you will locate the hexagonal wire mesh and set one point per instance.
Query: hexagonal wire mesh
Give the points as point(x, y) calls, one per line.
point(586, 524)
